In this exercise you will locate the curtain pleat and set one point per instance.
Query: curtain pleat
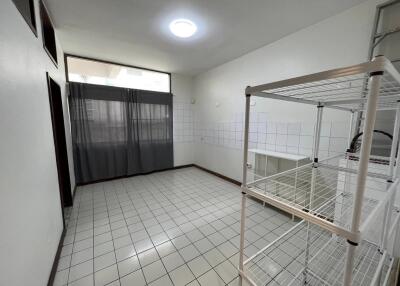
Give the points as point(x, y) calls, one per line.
point(119, 132)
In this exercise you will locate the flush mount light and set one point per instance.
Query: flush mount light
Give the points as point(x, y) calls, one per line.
point(182, 28)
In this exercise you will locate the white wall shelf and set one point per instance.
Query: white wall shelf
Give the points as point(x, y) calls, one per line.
point(264, 163)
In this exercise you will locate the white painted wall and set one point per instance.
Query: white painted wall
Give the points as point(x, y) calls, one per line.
point(337, 41)
point(30, 211)
point(182, 89)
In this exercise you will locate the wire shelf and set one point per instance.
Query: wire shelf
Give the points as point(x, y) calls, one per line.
point(283, 261)
point(345, 214)
point(331, 199)
point(345, 88)
point(378, 166)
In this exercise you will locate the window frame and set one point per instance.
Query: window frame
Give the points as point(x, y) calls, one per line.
point(66, 56)
point(32, 21)
point(45, 18)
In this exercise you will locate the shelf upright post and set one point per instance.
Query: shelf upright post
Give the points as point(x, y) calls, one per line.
point(372, 102)
point(317, 136)
point(353, 117)
point(394, 142)
point(351, 127)
point(392, 175)
point(396, 172)
point(244, 185)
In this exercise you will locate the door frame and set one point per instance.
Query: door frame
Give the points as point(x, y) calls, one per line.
point(63, 175)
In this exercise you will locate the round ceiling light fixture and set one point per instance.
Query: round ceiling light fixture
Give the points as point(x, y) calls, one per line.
point(183, 28)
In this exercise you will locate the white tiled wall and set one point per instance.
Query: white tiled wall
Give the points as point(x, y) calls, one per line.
point(183, 121)
point(280, 136)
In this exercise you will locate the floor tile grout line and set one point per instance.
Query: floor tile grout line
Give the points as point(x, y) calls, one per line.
point(152, 187)
point(72, 251)
point(154, 248)
point(186, 262)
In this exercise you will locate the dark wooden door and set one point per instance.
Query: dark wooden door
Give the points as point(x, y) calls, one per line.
point(60, 145)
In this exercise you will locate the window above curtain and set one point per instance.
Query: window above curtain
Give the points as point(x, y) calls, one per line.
point(109, 74)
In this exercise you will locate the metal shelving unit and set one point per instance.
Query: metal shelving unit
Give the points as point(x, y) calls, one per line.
point(282, 262)
point(346, 202)
point(382, 34)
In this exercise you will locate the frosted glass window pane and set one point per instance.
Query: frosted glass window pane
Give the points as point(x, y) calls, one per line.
point(93, 72)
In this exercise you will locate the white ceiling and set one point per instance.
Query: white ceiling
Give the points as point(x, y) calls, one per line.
point(136, 31)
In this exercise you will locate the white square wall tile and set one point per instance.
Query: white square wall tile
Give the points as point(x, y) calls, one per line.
point(294, 128)
point(292, 150)
point(326, 129)
point(306, 142)
point(307, 129)
point(293, 140)
point(340, 129)
point(338, 144)
point(271, 139)
point(324, 143)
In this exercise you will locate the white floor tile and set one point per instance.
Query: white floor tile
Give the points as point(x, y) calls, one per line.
point(165, 248)
point(214, 257)
point(125, 252)
point(180, 215)
point(136, 278)
point(163, 281)
point(154, 271)
point(80, 270)
point(148, 256)
point(103, 248)
point(199, 266)
point(82, 256)
point(210, 278)
point(104, 261)
point(189, 252)
point(61, 278)
point(85, 281)
point(106, 275)
point(64, 262)
point(182, 275)
point(128, 266)
point(226, 271)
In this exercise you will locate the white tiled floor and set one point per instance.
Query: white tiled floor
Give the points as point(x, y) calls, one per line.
point(177, 227)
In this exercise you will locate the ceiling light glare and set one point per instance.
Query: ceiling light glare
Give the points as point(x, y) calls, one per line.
point(183, 28)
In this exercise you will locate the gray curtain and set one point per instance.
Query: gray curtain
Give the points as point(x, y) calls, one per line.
point(119, 132)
